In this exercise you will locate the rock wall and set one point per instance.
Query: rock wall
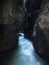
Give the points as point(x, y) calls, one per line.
point(10, 21)
point(41, 32)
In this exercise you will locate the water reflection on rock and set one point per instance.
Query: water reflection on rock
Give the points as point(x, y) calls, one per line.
point(24, 55)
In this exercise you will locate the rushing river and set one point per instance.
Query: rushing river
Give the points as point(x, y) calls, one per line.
point(24, 55)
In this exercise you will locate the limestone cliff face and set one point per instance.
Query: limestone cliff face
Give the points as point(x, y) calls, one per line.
point(41, 32)
point(12, 15)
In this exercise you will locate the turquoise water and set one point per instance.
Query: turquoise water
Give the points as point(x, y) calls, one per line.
point(23, 55)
